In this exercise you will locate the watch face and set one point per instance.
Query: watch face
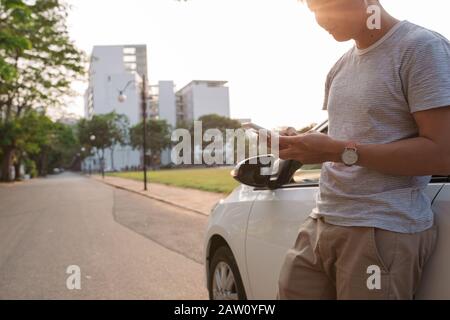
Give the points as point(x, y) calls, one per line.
point(350, 157)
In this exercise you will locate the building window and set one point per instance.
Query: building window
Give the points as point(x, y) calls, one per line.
point(129, 50)
point(129, 59)
point(130, 66)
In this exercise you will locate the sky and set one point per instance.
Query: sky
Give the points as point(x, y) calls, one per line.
point(272, 52)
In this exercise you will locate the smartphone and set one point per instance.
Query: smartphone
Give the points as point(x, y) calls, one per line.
point(255, 127)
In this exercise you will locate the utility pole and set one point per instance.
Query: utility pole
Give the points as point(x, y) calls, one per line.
point(144, 118)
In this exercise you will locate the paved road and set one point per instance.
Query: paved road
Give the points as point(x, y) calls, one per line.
point(127, 246)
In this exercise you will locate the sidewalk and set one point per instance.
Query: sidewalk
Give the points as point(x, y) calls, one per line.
point(190, 199)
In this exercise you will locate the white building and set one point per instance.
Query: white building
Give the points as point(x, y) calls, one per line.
point(194, 100)
point(201, 97)
point(120, 68)
point(112, 69)
point(164, 104)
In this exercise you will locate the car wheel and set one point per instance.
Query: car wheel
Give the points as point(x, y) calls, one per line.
point(224, 281)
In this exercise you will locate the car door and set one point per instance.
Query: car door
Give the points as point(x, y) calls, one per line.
point(273, 226)
point(435, 282)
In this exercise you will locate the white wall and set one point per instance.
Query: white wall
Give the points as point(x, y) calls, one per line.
point(210, 100)
point(107, 77)
point(167, 102)
point(167, 111)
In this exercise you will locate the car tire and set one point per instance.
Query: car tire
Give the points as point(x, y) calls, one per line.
point(222, 263)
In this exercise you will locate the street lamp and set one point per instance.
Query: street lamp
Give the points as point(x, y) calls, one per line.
point(83, 149)
point(144, 97)
point(122, 98)
point(102, 161)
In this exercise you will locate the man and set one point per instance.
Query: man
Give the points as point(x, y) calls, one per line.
point(388, 100)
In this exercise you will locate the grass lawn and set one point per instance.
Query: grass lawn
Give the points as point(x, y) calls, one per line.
point(210, 179)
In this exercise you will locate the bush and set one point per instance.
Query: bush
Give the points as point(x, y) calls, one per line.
point(30, 168)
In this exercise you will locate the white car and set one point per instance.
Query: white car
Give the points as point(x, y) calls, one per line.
point(250, 231)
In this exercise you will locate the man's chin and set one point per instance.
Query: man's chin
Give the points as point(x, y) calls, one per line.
point(340, 37)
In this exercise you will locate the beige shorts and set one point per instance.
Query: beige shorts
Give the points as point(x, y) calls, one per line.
point(334, 262)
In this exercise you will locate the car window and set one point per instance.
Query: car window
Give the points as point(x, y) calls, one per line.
point(307, 174)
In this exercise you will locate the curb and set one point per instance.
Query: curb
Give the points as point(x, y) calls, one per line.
point(153, 197)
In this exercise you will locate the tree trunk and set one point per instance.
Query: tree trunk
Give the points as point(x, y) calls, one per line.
point(6, 164)
point(112, 158)
point(17, 169)
point(103, 163)
point(43, 164)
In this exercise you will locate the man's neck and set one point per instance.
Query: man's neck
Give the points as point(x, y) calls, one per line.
point(369, 37)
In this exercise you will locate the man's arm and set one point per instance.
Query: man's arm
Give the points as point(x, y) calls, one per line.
point(428, 154)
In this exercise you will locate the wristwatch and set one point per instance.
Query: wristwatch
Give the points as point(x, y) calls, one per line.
point(350, 155)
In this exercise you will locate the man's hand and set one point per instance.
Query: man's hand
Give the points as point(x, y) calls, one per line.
point(310, 148)
point(289, 132)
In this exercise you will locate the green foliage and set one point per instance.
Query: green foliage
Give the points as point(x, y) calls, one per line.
point(36, 132)
point(27, 133)
point(214, 180)
point(214, 121)
point(98, 127)
point(118, 126)
point(30, 168)
point(157, 138)
point(63, 148)
point(12, 41)
point(38, 60)
point(109, 129)
point(34, 136)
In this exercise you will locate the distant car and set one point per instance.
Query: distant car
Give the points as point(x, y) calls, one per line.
point(56, 170)
point(250, 231)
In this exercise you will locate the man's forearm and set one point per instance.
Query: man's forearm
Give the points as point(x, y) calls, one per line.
point(411, 157)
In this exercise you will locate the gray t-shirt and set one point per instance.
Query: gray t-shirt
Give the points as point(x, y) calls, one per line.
point(370, 96)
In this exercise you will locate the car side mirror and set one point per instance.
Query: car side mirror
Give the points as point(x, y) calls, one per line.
point(255, 171)
point(265, 171)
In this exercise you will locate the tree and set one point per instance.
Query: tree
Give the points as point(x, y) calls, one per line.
point(64, 147)
point(212, 121)
point(13, 42)
point(157, 139)
point(37, 64)
point(33, 141)
point(109, 130)
point(97, 126)
point(38, 142)
point(118, 126)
